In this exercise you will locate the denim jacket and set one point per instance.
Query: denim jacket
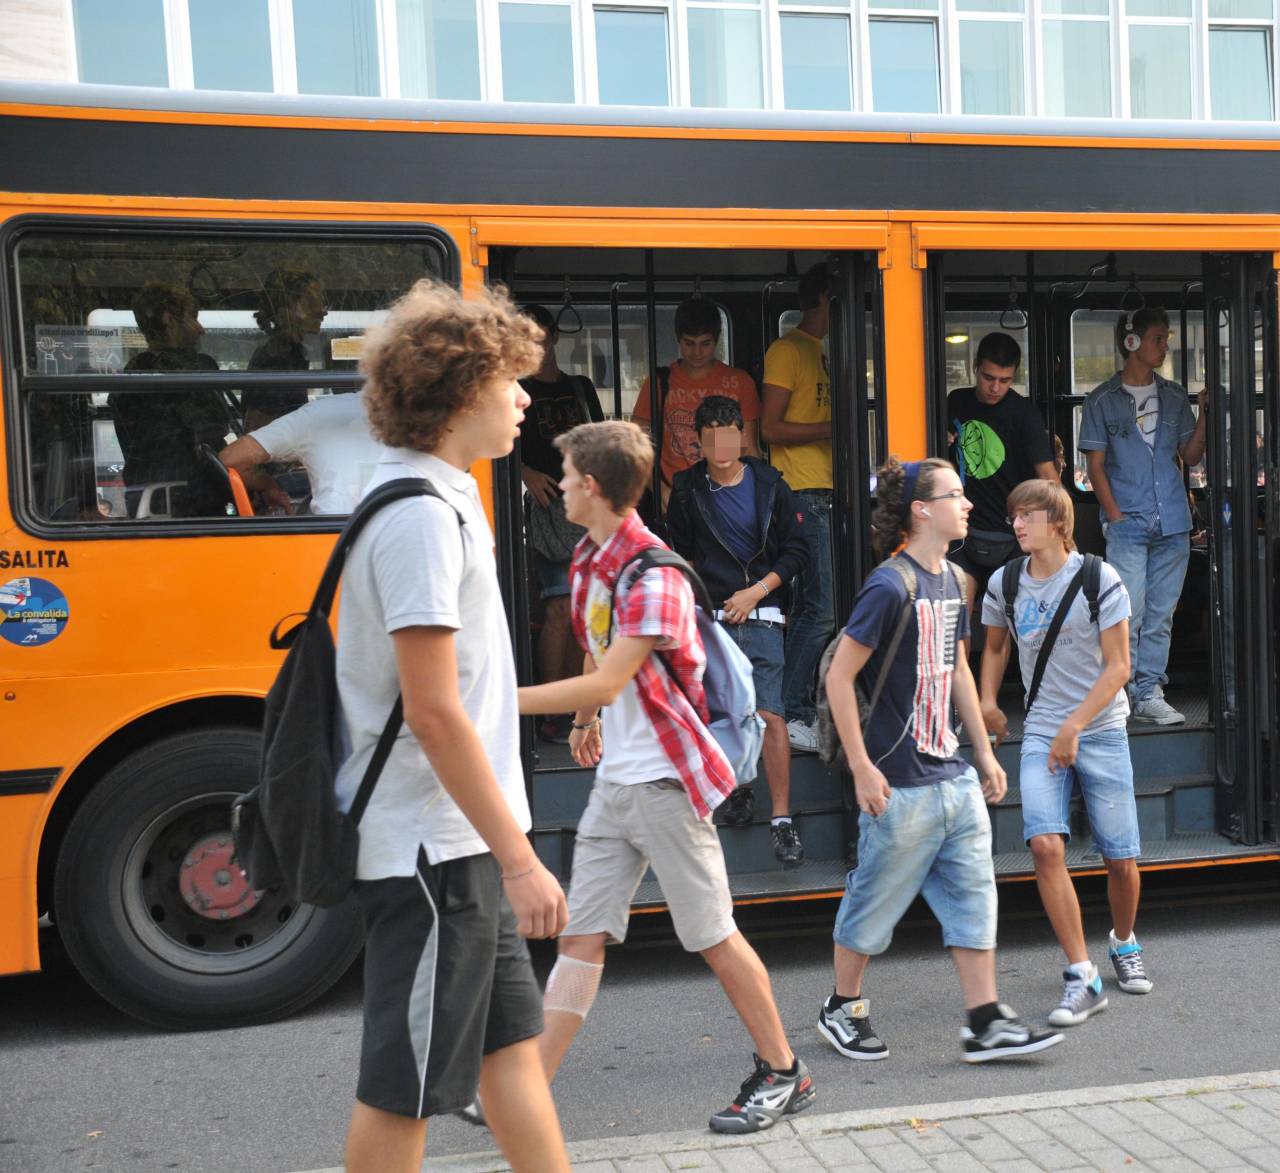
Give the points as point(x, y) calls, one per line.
point(1145, 478)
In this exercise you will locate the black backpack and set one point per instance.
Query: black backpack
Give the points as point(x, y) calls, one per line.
point(288, 830)
point(1088, 577)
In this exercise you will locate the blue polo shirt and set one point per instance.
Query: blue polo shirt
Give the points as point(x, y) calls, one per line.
point(1145, 478)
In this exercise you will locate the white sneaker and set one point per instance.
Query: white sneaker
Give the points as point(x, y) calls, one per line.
point(1157, 711)
point(803, 737)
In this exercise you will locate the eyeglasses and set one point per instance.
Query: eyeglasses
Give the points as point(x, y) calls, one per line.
point(1027, 516)
point(954, 495)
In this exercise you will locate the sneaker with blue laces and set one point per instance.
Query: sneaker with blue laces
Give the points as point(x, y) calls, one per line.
point(1081, 997)
point(1131, 973)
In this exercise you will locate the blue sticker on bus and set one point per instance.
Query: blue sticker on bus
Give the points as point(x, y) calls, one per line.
point(32, 611)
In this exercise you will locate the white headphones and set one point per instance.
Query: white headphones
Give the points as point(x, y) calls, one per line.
point(1132, 341)
point(924, 512)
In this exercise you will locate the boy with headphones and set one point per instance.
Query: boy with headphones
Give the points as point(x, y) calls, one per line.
point(1136, 427)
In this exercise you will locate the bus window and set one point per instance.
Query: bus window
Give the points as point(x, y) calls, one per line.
point(204, 337)
point(964, 330)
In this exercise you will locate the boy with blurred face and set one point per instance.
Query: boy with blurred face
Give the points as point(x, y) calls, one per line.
point(734, 518)
point(1135, 428)
point(1074, 735)
point(924, 828)
point(696, 374)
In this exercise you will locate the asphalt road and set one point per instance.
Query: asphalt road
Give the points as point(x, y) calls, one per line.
point(83, 1087)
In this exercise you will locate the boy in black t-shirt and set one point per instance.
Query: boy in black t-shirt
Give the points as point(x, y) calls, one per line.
point(924, 828)
point(560, 402)
point(998, 440)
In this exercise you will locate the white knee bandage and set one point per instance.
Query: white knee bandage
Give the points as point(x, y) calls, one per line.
point(572, 986)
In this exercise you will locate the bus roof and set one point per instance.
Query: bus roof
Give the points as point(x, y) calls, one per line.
point(299, 106)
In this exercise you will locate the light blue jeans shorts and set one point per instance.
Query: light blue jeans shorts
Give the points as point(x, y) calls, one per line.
point(932, 840)
point(1105, 775)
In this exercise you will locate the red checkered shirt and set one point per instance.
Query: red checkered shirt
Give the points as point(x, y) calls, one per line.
point(656, 603)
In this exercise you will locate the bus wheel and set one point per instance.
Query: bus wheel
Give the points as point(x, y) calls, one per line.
point(157, 917)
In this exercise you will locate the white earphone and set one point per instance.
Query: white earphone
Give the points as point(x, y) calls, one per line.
point(925, 513)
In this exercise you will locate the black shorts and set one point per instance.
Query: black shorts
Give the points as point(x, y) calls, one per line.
point(447, 980)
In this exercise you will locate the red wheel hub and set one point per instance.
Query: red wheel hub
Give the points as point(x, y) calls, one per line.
point(211, 883)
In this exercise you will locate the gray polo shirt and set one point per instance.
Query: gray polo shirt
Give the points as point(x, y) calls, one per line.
point(415, 566)
point(1076, 659)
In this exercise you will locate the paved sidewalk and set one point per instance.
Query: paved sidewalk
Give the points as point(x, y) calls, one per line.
point(1219, 1122)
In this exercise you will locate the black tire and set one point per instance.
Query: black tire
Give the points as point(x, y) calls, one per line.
point(140, 938)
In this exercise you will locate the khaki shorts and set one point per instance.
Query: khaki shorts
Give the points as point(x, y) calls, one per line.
point(628, 827)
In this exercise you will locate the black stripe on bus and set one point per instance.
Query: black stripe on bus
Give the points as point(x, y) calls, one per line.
point(39, 781)
point(287, 163)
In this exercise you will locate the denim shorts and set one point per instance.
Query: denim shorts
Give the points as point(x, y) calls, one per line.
point(553, 577)
point(764, 643)
point(1105, 775)
point(933, 840)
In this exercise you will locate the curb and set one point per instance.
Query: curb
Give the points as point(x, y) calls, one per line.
point(812, 1127)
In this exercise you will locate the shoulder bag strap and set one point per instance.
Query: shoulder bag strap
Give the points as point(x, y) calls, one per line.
point(1092, 584)
point(1051, 636)
point(904, 618)
point(381, 752)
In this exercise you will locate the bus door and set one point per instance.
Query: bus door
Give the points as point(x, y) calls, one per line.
point(1240, 367)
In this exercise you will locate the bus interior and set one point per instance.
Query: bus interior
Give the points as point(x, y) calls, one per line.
point(1204, 787)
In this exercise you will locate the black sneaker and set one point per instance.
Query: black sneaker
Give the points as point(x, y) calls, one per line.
point(786, 844)
point(765, 1097)
point(739, 808)
point(1007, 1037)
point(473, 1113)
point(848, 1028)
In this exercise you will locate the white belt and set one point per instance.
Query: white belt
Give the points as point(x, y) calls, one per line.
point(764, 614)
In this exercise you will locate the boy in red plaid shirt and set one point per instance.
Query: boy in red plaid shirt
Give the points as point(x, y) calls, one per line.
point(659, 773)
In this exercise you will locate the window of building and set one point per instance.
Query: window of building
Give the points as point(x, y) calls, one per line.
point(632, 61)
point(230, 44)
point(1240, 82)
point(1076, 62)
point(904, 66)
point(537, 52)
point(1160, 60)
point(121, 42)
point(816, 69)
point(438, 43)
point(726, 69)
point(336, 47)
point(991, 62)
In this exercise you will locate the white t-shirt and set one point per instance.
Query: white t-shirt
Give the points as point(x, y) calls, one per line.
point(632, 751)
point(331, 437)
point(415, 566)
point(1146, 404)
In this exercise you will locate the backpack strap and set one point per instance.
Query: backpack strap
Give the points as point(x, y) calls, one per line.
point(1009, 587)
point(1092, 584)
point(907, 573)
point(1051, 636)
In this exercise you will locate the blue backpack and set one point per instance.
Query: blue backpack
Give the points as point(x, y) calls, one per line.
point(730, 689)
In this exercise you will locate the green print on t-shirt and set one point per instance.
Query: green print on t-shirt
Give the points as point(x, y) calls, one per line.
point(983, 449)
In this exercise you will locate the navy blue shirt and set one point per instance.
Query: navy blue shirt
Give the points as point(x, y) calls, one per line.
point(909, 736)
point(736, 520)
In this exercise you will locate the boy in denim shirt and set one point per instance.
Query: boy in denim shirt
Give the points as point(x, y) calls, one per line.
point(1136, 427)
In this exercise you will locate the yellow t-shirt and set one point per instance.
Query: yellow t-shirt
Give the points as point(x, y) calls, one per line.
point(797, 363)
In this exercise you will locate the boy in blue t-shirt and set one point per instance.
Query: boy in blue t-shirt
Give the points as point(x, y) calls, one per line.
point(1075, 734)
point(924, 827)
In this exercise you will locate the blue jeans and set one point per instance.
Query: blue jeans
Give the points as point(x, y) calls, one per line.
point(762, 642)
point(812, 618)
point(934, 840)
point(1152, 565)
point(1104, 773)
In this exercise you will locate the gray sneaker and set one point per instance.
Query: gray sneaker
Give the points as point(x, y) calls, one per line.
point(1080, 999)
point(848, 1028)
point(1157, 711)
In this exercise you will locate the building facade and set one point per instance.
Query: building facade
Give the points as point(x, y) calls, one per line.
point(1209, 59)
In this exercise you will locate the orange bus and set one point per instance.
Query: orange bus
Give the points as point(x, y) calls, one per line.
point(160, 250)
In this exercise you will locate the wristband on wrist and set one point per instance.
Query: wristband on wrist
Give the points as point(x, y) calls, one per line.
point(589, 725)
point(521, 875)
point(760, 584)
